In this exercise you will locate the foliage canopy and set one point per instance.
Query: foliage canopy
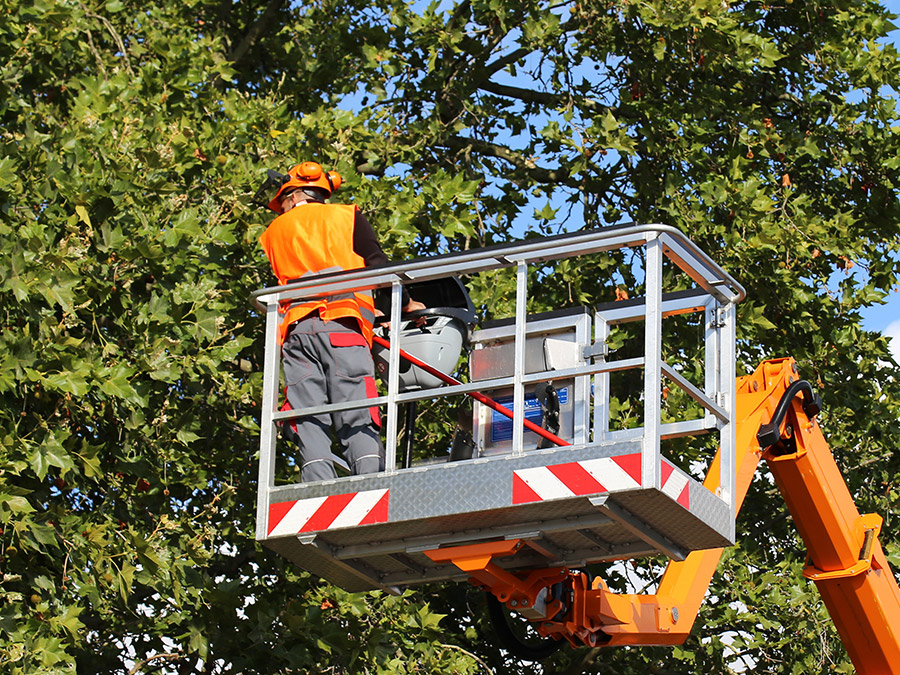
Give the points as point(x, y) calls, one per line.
point(133, 135)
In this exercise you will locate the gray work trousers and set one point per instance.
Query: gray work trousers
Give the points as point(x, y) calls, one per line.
point(330, 362)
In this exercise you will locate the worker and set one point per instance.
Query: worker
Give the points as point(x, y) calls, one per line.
point(325, 343)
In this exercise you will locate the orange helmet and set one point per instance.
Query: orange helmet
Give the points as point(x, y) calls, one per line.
point(307, 174)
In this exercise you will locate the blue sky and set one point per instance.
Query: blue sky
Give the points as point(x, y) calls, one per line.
point(886, 318)
point(883, 318)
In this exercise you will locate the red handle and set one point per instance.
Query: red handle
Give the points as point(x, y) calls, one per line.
point(477, 395)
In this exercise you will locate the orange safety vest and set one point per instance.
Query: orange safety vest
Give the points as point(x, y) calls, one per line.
point(315, 239)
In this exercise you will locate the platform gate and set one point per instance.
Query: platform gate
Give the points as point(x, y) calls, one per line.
point(609, 495)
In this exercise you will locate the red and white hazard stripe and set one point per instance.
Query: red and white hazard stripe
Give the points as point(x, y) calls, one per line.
point(675, 484)
point(328, 513)
point(594, 476)
point(573, 479)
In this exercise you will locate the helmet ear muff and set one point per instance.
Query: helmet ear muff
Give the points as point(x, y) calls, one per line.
point(308, 171)
point(334, 180)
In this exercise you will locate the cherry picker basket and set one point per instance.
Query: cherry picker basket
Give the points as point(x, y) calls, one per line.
point(604, 493)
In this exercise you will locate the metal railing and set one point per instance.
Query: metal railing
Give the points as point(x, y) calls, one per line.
point(715, 293)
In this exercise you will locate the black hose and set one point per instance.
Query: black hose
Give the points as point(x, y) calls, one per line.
point(527, 651)
point(409, 431)
point(769, 434)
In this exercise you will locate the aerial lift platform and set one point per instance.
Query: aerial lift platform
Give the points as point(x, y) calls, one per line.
point(547, 489)
point(609, 494)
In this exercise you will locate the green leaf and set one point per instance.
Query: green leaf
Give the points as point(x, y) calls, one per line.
point(115, 382)
point(90, 465)
point(547, 213)
point(207, 323)
point(187, 437)
point(199, 644)
point(10, 504)
point(112, 238)
point(659, 49)
point(43, 534)
point(147, 556)
point(73, 382)
point(50, 454)
point(125, 579)
point(83, 215)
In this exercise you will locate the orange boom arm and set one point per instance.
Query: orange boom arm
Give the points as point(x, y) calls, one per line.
point(775, 421)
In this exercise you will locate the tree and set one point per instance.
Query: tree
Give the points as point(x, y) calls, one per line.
point(133, 136)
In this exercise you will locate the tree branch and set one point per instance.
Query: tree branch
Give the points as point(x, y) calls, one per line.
point(468, 653)
point(139, 666)
point(459, 143)
point(545, 98)
point(504, 61)
point(458, 13)
point(115, 36)
point(370, 169)
point(269, 13)
point(99, 59)
point(569, 26)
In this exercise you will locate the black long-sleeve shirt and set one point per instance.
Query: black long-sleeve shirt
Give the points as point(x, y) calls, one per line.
point(365, 245)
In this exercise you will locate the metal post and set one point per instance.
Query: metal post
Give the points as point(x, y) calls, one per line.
point(727, 434)
point(650, 472)
point(518, 438)
point(267, 435)
point(582, 388)
point(712, 358)
point(390, 441)
point(601, 383)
